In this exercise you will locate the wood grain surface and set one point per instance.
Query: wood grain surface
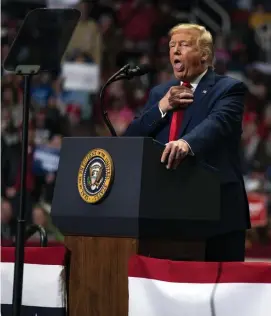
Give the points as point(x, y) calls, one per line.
point(98, 270)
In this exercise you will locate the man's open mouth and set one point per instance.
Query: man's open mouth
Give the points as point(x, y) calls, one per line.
point(178, 65)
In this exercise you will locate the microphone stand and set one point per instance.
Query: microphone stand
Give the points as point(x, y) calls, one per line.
point(121, 74)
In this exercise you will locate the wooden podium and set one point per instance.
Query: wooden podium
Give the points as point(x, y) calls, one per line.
point(113, 199)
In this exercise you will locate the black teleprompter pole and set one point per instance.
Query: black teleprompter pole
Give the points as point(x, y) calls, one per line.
point(20, 236)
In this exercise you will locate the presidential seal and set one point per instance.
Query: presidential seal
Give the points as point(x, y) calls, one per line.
point(95, 176)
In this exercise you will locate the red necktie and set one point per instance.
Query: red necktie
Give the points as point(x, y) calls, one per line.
point(176, 120)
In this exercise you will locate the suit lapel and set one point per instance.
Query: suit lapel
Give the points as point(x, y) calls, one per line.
point(201, 91)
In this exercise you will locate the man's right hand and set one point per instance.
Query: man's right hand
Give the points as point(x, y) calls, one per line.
point(177, 98)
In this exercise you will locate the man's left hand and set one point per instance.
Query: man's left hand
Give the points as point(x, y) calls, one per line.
point(174, 153)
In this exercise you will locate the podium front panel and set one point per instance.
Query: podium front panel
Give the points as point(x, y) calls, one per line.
point(116, 213)
point(145, 198)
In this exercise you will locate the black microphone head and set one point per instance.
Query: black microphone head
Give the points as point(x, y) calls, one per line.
point(142, 70)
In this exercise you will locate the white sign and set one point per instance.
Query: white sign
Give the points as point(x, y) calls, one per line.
point(84, 77)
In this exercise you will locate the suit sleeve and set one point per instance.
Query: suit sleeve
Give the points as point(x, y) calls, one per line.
point(146, 123)
point(223, 122)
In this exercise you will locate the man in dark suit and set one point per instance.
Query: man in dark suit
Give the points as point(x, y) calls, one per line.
point(200, 114)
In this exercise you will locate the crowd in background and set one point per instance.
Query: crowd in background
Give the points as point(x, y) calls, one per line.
point(109, 35)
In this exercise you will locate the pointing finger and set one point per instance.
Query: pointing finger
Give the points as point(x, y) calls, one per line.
point(166, 153)
point(171, 157)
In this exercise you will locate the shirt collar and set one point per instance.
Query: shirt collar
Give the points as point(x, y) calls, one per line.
point(195, 83)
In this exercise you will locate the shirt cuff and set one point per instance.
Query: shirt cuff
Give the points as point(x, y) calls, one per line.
point(162, 113)
point(190, 150)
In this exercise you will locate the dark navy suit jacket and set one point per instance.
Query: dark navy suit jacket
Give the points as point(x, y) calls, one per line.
point(212, 126)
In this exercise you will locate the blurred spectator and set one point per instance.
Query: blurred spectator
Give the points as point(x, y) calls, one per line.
point(7, 221)
point(120, 114)
point(86, 37)
point(262, 157)
point(41, 90)
point(103, 7)
point(130, 16)
point(120, 110)
point(42, 218)
point(259, 16)
point(111, 42)
point(166, 13)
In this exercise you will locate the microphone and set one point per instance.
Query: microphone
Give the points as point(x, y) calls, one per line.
point(137, 71)
point(124, 73)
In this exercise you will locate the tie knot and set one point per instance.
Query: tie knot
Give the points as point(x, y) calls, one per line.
point(186, 84)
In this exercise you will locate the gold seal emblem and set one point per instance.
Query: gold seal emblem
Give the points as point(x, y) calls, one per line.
point(95, 176)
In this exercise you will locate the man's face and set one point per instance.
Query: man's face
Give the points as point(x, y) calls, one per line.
point(185, 55)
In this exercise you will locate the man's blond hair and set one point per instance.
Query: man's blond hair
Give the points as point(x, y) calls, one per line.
point(204, 40)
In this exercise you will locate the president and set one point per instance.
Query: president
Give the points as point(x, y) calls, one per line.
point(200, 114)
